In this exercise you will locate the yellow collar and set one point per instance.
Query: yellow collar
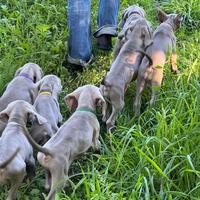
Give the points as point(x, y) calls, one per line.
point(45, 92)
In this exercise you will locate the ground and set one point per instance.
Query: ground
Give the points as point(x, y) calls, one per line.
point(153, 157)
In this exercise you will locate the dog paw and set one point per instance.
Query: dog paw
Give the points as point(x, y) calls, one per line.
point(109, 127)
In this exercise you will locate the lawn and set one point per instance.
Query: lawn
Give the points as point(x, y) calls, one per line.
point(154, 157)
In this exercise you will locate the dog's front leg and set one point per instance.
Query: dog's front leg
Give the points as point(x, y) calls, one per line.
point(117, 106)
point(15, 183)
point(57, 181)
point(104, 111)
point(96, 143)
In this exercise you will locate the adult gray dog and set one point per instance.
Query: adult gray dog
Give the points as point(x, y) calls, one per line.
point(130, 17)
point(74, 137)
point(16, 153)
point(124, 69)
point(163, 45)
point(47, 106)
point(22, 87)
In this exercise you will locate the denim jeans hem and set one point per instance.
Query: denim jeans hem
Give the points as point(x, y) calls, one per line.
point(106, 30)
point(77, 61)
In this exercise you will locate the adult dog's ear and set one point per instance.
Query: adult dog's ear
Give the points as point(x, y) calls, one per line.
point(71, 99)
point(161, 15)
point(18, 71)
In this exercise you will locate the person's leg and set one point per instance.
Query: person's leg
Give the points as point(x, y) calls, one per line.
point(107, 22)
point(79, 42)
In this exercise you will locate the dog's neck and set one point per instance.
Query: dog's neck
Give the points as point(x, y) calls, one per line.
point(86, 109)
point(86, 101)
point(45, 92)
point(17, 120)
point(172, 26)
point(26, 75)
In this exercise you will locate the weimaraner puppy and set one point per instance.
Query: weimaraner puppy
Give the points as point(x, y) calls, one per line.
point(16, 153)
point(164, 44)
point(130, 17)
point(46, 104)
point(22, 87)
point(123, 70)
point(74, 137)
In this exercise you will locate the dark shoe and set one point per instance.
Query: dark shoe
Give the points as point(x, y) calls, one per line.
point(72, 68)
point(104, 42)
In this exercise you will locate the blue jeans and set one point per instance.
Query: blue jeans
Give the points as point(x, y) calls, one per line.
point(80, 41)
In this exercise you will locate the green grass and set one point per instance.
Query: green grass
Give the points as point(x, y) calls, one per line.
point(153, 157)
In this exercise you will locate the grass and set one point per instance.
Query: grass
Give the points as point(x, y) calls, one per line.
point(154, 157)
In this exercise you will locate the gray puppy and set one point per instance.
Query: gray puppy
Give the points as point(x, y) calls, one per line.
point(124, 69)
point(22, 87)
point(47, 106)
point(16, 153)
point(164, 44)
point(74, 137)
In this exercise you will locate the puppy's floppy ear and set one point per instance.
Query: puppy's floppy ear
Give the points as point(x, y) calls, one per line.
point(33, 115)
point(98, 98)
point(57, 87)
point(18, 71)
point(4, 116)
point(127, 31)
point(38, 74)
point(38, 85)
point(71, 99)
point(148, 37)
point(161, 15)
point(123, 19)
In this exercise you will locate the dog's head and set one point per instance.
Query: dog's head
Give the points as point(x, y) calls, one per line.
point(129, 11)
point(140, 30)
point(88, 96)
point(174, 20)
point(51, 83)
point(32, 70)
point(22, 111)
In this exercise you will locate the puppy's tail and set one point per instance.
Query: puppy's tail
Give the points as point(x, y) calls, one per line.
point(145, 54)
point(5, 163)
point(36, 145)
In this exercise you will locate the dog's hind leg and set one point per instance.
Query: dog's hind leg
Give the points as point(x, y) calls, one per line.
point(155, 90)
point(139, 89)
point(47, 180)
point(16, 181)
point(173, 64)
point(57, 181)
point(30, 167)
